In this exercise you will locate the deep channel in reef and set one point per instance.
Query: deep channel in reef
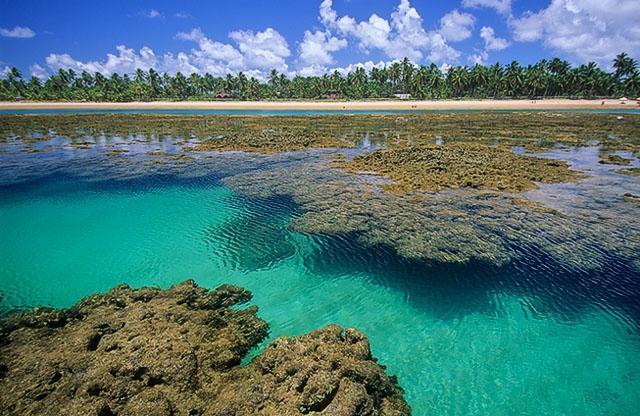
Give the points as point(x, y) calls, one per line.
point(529, 334)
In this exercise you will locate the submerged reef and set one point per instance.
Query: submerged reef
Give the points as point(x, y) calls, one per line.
point(178, 351)
point(459, 165)
point(450, 226)
point(490, 187)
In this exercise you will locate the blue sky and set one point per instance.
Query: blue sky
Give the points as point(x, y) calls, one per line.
point(308, 36)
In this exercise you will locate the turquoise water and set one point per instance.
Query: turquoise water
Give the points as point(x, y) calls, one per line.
point(301, 112)
point(528, 338)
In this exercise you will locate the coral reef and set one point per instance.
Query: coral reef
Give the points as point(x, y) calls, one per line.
point(451, 226)
point(630, 171)
point(460, 165)
point(178, 352)
point(629, 197)
point(452, 174)
point(280, 133)
point(615, 160)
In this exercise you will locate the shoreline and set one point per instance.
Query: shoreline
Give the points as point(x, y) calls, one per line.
point(402, 105)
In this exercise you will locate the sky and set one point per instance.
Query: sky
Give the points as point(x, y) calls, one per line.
point(307, 37)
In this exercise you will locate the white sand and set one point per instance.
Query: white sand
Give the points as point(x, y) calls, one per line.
point(549, 104)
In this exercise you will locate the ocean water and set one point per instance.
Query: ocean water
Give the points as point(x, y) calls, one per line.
point(528, 338)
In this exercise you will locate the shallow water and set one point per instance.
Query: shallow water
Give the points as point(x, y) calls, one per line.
point(529, 337)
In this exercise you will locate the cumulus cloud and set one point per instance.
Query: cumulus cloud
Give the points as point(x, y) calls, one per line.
point(480, 57)
point(256, 52)
point(403, 35)
point(456, 26)
point(21, 32)
point(126, 61)
point(316, 47)
point(38, 71)
point(263, 50)
point(501, 6)
point(367, 66)
point(491, 42)
point(586, 30)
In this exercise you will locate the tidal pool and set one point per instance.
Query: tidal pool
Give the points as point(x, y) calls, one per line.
point(532, 335)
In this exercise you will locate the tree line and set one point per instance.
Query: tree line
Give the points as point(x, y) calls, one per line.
point(546, 78)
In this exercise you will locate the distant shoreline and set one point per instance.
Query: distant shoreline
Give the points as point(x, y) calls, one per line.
point(545, 104)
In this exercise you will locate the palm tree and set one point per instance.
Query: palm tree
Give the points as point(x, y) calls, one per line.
point(513, 79)
point(624, 66)
point(549, 78)
point(395, 71)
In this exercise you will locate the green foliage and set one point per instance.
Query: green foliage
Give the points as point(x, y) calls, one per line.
point(554, 78)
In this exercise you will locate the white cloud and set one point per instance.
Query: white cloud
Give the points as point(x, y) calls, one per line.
point(316, 47)
point(126, 61)
point(401, 36)
point(479, 57)
point(263, 50)
point(456, 26)
point(38, 71)
point(256, 53)
point(441, 52)
point(21, 32)
point(501, 6)
point(152, 14)
point(313, 70)
point(195, 35)
point(586, 30)
point(183, 15)
point(491, 42)
point(368, 66)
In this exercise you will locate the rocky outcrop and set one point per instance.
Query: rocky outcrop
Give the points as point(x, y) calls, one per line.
point(178, 352)
point(461, 165)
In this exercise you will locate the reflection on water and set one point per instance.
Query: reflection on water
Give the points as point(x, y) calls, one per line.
point(533, 335)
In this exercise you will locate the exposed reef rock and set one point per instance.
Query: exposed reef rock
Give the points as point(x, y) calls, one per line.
point(461, 165)
point(177, 352)
point(614, 160)
point(632, 198)
point(281, 133)
point(630, 171)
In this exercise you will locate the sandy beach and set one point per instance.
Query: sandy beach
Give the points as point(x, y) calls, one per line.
point(549, 104)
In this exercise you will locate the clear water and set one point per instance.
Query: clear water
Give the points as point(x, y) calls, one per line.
point(523, 339)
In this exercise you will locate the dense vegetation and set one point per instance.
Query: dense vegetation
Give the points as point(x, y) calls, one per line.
point(554, 78)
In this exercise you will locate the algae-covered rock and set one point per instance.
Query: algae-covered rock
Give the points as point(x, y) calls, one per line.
point(629, 197)
point(615, 160)
point(630, 171)
point(177, 352)
point(461, 165)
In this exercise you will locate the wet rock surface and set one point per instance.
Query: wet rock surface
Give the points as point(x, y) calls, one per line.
point(178, 352)
point(615, 160)
point(461, 165)
point(270, 134)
